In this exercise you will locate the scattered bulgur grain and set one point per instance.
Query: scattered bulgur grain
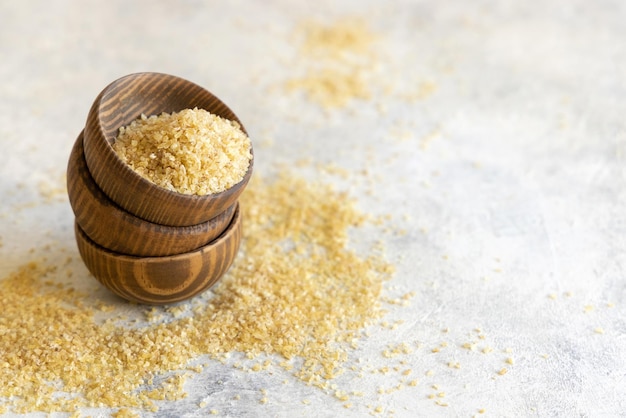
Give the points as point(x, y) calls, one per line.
point(125, 413)
point(341, 395)
point(191, 152)
point(258, 308)
point(339, 58)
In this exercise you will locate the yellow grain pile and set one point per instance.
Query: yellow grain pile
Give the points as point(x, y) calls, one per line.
point(191, 152)
point(338, 59)
point(297, 292)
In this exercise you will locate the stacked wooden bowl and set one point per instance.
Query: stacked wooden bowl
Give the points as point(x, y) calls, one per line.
point(145, 243)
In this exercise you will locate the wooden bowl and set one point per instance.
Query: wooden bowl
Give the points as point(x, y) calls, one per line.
point(161, 280)
point(120, 103)
point(113, 228)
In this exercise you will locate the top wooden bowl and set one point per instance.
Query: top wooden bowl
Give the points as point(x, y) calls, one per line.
point(120, 103)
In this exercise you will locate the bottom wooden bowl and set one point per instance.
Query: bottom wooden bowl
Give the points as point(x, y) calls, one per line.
point(161, 280)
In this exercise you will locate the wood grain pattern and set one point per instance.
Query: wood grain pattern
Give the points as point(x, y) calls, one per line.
point(113, 228)
point(120, 103)
point(161, 280)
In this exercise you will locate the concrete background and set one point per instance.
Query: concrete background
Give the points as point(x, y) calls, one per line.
point(496, 138)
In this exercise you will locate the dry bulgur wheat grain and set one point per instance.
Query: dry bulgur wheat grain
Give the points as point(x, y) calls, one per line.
point(343, 37)
point(191, 152)
point(339, 59)
point(298, 291)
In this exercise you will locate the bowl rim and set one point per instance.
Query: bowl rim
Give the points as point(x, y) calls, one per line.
point(230, 230)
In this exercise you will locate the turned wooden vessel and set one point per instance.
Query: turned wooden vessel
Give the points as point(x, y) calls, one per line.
point(143, 242)
point(119, 104)
point(161, 280)
point(110, 226)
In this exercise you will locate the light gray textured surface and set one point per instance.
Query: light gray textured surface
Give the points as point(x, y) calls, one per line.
point(510, 178)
